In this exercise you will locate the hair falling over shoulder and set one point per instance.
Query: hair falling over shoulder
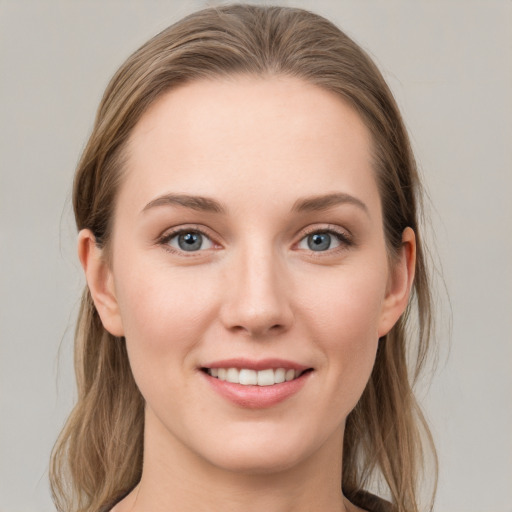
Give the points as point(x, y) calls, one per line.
point(98, 456)
point(99, 453)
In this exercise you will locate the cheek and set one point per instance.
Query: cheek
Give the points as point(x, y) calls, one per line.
point(348, 302)
point(164, 314)
point(345, 314)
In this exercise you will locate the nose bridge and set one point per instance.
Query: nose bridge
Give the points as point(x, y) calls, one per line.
point(257, 300)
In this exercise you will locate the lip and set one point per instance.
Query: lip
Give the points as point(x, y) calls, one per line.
point(256, 397)
point(261, 364)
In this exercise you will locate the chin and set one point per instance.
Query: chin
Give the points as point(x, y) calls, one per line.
point(259, 454)
point(255, 462)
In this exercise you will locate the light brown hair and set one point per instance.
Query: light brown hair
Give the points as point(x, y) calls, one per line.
point(98, 457)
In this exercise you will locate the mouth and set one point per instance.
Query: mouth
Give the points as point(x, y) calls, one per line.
point(256, 384)
point(251, 377)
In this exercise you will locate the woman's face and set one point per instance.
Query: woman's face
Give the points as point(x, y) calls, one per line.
point(248, 245)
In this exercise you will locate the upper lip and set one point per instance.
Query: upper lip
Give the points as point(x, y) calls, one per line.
point(260, 364)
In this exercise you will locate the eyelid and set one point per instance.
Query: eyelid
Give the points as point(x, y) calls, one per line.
point(344, 236)
point(171, 233)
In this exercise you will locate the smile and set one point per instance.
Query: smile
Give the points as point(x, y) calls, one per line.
point(249, 377)
point(255, 384)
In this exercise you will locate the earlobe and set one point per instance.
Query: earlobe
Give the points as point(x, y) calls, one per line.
point(400, 283)
point(100, 282)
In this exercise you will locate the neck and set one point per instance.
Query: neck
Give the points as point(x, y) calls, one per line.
point(174, 478)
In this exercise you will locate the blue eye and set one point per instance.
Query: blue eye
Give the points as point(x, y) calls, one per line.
point(321, 241)
point(189, 241)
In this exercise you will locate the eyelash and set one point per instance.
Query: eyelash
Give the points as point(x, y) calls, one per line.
point(343, 238)
point(167, 237)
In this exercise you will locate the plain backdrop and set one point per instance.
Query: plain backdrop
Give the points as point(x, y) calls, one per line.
point(449, 64)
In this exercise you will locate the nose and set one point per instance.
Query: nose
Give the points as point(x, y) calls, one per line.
point(257, 295)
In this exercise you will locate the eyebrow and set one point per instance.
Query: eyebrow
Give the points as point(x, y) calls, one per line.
point(206, 204)
point(324, 202)
point(203, 204)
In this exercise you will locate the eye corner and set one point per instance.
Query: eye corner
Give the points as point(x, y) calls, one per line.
point(188, 241)
point(323, 239)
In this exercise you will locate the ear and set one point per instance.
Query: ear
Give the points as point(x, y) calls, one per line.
point(400, 282)
point(100, 281)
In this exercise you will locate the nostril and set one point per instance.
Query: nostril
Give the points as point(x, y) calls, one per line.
point(256, 316)
point(258, 330)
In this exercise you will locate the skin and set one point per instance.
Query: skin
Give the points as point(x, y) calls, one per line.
point(255, 289)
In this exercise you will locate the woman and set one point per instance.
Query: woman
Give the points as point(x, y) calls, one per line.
point(247, 208)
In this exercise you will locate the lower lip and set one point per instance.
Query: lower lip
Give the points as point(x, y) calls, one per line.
point(257, 397)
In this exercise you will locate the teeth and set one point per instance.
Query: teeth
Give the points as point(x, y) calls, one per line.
point(290, 375)
point(279, 375)
point(232, 375)
point(266, 378)
point(248, 377)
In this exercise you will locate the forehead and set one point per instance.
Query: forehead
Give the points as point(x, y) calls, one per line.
point(270, 138)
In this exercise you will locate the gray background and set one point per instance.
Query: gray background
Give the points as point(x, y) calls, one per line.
point(449, 64)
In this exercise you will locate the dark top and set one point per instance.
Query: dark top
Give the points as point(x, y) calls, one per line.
point(371, 503)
